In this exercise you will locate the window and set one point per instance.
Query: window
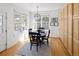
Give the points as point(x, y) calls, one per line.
point(38, 23)
point(20, 21)
point(45, 22)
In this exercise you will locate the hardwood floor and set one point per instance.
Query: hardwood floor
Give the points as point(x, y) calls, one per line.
point(11, 51)
point(56, 45)
point(58, 48)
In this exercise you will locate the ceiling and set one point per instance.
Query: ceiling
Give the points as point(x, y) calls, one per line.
point(42, 6)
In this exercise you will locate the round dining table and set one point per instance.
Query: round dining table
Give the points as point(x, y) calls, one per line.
point(42, 35)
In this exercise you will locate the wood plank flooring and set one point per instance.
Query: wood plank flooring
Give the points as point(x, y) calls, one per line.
point(11, 51)
point(58, 48)
point(56, 45)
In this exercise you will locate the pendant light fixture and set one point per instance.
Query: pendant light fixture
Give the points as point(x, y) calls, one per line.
point(37, 16)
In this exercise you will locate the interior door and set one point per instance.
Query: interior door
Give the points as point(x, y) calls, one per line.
point(3, 32)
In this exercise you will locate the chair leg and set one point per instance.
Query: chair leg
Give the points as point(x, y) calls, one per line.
point(31, 47)
point(47, 42)
point(37, 47)
point(40, 44)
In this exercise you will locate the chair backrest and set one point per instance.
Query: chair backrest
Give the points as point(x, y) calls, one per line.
point(48, 33)
point(41, 28)
point(30, 29)
point(30, 36)
point(34, 36)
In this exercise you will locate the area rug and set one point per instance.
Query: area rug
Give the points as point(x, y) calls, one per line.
point(44, 50)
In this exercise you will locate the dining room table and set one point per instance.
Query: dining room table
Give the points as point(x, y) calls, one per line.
point(42, 35)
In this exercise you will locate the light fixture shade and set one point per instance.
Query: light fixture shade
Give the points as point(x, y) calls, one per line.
point(37, 16)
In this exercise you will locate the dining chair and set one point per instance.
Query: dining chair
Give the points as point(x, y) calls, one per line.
point(41, 28)
point(30, 30)
point(47, 37)
point(34, 40)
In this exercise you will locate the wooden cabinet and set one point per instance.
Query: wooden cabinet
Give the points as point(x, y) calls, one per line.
point(65, 25)
point(70, 28)
point(75, 9)
point(62, 20)
point(60, 23)
point(76, 29)
point(75, 47)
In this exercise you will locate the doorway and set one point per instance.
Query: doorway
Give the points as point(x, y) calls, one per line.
point(3, 31)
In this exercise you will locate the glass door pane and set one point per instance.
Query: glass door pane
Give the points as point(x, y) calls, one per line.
point(45, 22)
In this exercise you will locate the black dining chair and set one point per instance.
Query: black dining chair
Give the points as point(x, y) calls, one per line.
point(34, 40)
point(30, 30)
point(41, 28)
point(47, 37)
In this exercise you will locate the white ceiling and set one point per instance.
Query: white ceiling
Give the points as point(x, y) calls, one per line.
point(42, 6)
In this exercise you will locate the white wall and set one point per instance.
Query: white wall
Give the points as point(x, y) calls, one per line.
point(54, 29)
point(7, 10)
point(12, 35)
point(31, 20)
